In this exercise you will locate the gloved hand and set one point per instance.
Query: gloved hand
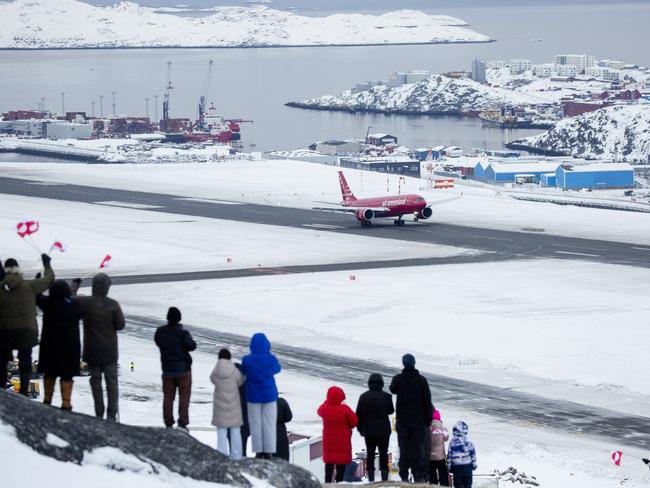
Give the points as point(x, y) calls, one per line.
point(46, 260)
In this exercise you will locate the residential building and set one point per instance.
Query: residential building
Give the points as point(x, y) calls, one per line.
point(520, 65)
point(478, 71)
point(543, 70)
point(580, 61)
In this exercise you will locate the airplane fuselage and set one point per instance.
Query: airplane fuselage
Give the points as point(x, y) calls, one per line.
point(396, 205)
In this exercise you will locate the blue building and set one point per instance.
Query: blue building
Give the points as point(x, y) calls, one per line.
point(548, 180)
point(596, 176)
point(507, 172)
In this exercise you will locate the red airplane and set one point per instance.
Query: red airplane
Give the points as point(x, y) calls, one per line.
point(368, 209)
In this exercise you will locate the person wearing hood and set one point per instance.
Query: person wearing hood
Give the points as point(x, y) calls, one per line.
point(260, 368)
point(175, 344)
point(373, 411)
point(437, 464)
point(226, 408)
point(284, 417)
point(414, 412)
point(103, 318)
point(338, 422)
point(18, 326)
point(60, 349)
point(462, 456)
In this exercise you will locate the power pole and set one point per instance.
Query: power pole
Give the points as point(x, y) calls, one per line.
point(146, 107)
point(155, 107)
point(63, 103)
point(92, 104)
point(101, 106)
point(113, 93)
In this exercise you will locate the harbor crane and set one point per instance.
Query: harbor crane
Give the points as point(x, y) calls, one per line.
point(200, 120)
point(167, 91)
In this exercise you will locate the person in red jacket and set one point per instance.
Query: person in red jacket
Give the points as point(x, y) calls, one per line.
point(338, 422)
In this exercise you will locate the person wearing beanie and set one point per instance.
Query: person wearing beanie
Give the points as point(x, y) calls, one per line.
point(226, 407)
point(414, 412)
point(175, 344)
point(103, 318)
point(437, 461)
point(373, 411)
point(60, 347)
point(18, 326)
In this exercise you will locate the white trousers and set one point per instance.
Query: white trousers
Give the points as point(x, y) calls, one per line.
point(262, 418)
point(234, 450)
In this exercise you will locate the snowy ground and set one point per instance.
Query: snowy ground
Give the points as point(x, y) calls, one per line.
point(142, 241)
point(299, 184)
point(34, 24)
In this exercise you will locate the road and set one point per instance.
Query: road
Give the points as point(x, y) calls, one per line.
point(497, 244)
point(517, 407)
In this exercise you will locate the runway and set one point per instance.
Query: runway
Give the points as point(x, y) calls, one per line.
point(495, 244)
point(521, 408)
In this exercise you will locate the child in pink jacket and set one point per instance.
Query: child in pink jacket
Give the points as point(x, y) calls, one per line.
point(438, 474)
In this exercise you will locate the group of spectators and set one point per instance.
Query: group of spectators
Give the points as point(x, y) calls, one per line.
point(245, 400)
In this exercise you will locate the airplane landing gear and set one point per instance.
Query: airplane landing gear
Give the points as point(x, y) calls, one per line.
point(366, 223)
point(398, 221)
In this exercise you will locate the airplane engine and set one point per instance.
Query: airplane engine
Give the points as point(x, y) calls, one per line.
point(425, 213)
point(365, 214)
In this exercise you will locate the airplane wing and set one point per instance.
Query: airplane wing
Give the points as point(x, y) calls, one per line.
point(446, 200)
point(379, 211)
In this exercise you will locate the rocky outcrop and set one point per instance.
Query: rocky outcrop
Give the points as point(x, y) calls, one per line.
point(72, 437)
point(618, 133)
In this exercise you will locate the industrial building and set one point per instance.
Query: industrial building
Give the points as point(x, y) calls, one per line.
point(69, 130)
point(403, 166)
point(380, 139)
point(508, 172)
point(41, 128)
point(595, 176)
point(334, 147)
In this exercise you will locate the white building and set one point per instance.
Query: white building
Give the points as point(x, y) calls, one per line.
point(497, 64)
point(567, 70)
point(396, 79)
point(415, 76)
point(580, 61)
point(520, 65)
point(69, 130)
point(29, 127)
point(543, 70)
point(611, 63)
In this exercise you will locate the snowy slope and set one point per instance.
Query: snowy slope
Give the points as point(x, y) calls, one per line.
point(620, 133)
point(437, 94)
point(71, 23)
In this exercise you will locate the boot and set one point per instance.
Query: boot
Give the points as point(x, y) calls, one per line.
point(371, 475)
point(49, 390)
point(66, 395)
point(25, 378)
point(384, 475)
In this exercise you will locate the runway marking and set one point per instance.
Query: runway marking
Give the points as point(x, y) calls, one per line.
point(488, 237)
point(209, 200)
point(578, 254)
point(580, 247)
point(139, 206)
point(641, 248)
point(45, 183)
point(323, 226)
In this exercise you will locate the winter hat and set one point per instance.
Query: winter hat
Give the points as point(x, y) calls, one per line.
point(436, 415)
point(224, 354)
point(11, 266)
point(173, 315)
point(408, 360)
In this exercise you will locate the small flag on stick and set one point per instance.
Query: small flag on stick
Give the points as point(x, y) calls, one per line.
point(59, 246)
point(616, 457)
point(105, 262)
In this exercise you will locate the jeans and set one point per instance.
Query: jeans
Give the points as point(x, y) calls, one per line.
point(462, 476)
point(329, 472)
point(229, 442)
point(182, 383)
point(373, 443)
point(112, 391)
point(411, 453)
point(262, 423)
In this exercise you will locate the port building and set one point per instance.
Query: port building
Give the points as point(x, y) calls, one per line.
point(595, 176)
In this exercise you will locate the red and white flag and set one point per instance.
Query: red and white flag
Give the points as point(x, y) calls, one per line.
point(105, 262)
point(59, 246)
point(616, 457)
point(27, 228)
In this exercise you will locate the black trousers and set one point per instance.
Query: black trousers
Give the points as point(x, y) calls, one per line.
point(329, 471)
point(462, 476)
point(438, 474)
point(372, 444)
point(24, 367)
point(411, 453)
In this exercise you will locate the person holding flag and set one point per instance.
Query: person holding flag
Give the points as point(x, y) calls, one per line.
point(18, 326)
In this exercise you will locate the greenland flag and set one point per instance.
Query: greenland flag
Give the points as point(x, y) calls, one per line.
point(28, 228)
point(616, 457)
point(105, 262)
point(59, 246)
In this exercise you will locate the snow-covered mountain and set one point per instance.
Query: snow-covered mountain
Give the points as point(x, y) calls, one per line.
point(38, 24)
point(435, 95)
point(619, 133)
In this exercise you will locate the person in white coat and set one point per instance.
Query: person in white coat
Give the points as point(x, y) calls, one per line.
point(226, 410)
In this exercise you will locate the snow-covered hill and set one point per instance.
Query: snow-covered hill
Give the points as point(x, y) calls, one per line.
point(620, 133)
point(39, 24)
point(435, 95)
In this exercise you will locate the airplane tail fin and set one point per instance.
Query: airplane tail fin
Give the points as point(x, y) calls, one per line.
point(348, 196)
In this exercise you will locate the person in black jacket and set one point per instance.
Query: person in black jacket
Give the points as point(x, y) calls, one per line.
point(284, 416)
point(60, 347)
point(414, 414)
point(373, 409)
point(175, 344)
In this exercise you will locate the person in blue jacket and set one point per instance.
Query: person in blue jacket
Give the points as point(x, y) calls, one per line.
point(260, 367)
